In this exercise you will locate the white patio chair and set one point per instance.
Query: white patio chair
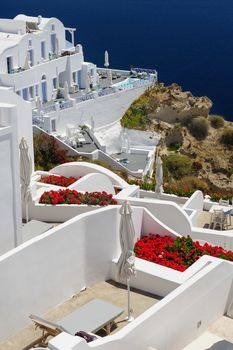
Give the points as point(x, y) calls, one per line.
point(224, 201)
point(219, 219)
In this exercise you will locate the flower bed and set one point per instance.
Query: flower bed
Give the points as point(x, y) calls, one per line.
point(59, 180)
point(74, 197)
point(179, 253)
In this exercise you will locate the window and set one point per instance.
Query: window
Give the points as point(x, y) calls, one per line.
point(9, 62)
point(25, 94)
point(31, 57)
point(43, 53)
point(52, 27)
point(53, 125)
point(53, 43)
point(37, 90)
point(55, 83)
point(31, 92)
point(74, 77)
point(29, 42)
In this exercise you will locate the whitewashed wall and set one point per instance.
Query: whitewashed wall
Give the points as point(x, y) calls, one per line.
point(215, 237)
point(105, 110)
point(180, 317)
point(10, 203)
point(22, 119)
point(16, 122)
point(45, 259)
point(19, 52)
point(47, 270)
point(82, 168)
point(167, 212)
point(93, 183)
point(172, 323)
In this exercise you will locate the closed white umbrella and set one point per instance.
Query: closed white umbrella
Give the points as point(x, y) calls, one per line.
point(109, 77)
point(126, 262)
point(159, 176)
point(106, 59)
point(26, 65)
point(66, 91)
point(128, 150)
point(92, 124)
point(88, 82)
point(25, 173)
point(38, 105)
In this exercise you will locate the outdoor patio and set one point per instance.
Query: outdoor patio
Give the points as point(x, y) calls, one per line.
point(204, 220)
point(109, 291)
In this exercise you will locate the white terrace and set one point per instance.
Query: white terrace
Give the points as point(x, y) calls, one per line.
point(48, 270)
point(185, 216)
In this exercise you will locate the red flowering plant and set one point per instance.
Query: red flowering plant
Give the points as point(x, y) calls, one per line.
point(74, 197)
point(59, 180)
point(178, 253)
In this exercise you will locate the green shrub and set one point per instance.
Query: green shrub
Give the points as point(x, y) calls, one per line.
point(199, 127)
point(174, 146)
point(227, 137)
point(216, 121)
point(137, 114)
point(47, 152)
point(178, 165)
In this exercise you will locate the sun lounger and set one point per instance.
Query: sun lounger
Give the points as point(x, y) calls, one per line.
point(91, 317)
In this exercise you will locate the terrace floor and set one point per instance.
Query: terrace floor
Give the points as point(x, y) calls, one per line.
point(109, 291)
point(219, 336)
point(134, 161)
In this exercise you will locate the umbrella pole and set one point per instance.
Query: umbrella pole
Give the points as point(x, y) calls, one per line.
point(26, 212)
point(129, 318)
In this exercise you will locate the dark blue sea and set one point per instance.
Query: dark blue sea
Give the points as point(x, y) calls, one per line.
point(189, 42)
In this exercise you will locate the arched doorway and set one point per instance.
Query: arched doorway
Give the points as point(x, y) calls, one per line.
point(44, 89)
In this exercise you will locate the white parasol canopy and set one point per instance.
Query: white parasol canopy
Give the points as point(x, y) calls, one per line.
point(25, 173)
point(92, 124)
point(106, 59)
point(66, 91)
point(126, 262)
point(26, 65)
point(109, 77)
point(38, 104)
point(159, 176)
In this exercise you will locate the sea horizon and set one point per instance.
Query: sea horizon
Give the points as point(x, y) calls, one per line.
point(189, 42)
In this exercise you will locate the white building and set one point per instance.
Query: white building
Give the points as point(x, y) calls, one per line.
point(12, 110)
point(36, 59)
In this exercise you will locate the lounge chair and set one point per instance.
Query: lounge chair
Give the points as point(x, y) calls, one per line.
point(91, 317)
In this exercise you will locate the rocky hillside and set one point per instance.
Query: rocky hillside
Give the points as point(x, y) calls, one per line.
point(165, 103)
point(187, 129)
point(214, 160)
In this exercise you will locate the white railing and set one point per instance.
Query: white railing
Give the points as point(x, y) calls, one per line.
point(49, 109)
point(65, 104)
point(90, 96)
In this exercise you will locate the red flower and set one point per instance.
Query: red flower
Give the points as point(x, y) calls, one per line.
point(73, 197)
point(177, 254)
point(59, 180)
